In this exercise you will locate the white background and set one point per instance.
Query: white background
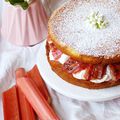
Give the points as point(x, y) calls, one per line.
point(12, 57)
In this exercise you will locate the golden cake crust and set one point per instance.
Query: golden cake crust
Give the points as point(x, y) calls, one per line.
point(81, 56)
point(57, 68)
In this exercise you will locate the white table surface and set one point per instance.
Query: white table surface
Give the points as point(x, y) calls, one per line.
point(12, 57)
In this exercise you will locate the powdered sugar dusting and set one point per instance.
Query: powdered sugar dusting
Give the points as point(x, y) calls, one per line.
point(70, 27)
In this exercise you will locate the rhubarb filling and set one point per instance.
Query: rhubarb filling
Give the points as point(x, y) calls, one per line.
point(95, 73)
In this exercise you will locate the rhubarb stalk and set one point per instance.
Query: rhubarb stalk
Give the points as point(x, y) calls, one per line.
point(36, 99)
point(10, 104)
point(36, 77)
point(26, 110)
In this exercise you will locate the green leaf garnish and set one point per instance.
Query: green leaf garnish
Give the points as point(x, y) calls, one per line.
point(97, 20)
point(22, 3)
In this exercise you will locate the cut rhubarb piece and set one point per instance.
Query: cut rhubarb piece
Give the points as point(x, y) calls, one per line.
point(101, 71)
point(98, 71)
point(82, 66)
point(88, 72)
point(77, 70)
point(10, 104)
point(26, 111)
point(34, 74)
point(118, 76)
point(56, 54)
point(94, 72)
point(71, 66)
point(37, 101)
point(117, 68)
point(113, 72)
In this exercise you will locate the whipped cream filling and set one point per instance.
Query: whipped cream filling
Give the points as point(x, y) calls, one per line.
point(107, 77)
point(80, 75)
point(51, 56)
point(63, 58)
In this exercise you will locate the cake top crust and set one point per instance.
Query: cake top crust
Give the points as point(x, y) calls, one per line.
point(69, 26)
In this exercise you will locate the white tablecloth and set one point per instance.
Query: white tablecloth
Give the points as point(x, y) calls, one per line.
point(12, 57)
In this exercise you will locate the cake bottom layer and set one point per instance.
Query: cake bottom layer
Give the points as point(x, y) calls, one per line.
point(57, 68)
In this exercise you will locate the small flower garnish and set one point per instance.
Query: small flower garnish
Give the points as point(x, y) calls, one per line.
point(23, 3)
point(97, 20)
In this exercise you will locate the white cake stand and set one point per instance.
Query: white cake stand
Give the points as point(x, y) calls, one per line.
point(69, 90)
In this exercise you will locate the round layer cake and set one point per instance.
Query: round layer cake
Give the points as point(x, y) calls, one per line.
point(83, 42)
